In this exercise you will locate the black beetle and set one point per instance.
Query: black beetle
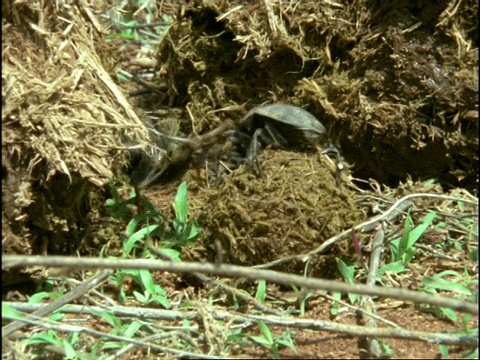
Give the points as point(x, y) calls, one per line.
point(280, 125)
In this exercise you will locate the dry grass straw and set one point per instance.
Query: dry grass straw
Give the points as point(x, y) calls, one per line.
point(61, 107)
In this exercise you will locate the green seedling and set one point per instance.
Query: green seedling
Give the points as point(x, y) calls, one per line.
point(126, 330)
point(387, 351)
point(137, 236)
point(50, 337)
point(38, 297)
point(261, 291)
point(447, 281)
point(152, 292)
point(140, 230)
point(303, 297)
point(403, 250)
point(118, 328)
point(335, 296)
point(238, 338)
point(406, 250)
point(117, 207)
point(185, 230)
point(348, 273)
point(268, 341)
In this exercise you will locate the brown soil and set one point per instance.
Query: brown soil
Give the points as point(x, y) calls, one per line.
point(396, 86)
point(326, 345)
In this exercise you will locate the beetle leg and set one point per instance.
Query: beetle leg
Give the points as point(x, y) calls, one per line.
point(331, 149)
point(274, 137)
point(236, 159)
point(253, 149)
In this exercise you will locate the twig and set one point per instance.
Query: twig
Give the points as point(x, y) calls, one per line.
point(9, 261)
point(291, 322)
point(100, 334)
point(374, 349)
point(362, 311)
point(77, 292)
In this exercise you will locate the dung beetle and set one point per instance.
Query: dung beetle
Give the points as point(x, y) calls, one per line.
point(280, 125)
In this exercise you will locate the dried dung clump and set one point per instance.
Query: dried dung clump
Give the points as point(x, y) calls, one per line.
point(63, 122)
point(292, 210)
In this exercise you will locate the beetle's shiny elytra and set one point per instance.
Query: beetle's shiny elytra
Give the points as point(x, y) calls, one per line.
point(295, 126)
point(280, 125)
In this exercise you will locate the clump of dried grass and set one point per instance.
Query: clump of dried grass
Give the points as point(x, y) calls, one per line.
point(61, 107)
point(64, 122)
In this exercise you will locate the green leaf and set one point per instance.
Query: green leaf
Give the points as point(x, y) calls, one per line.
point(396, 267)
point(348, 272)
point(109, 318)
point(44, 338)
point(132, 329)
point(141, 298)
point(162, 300)
point(265, 330)
point(444, 351)
point(131, 227)
point(181, 203)
point(73, 338)
point(472, 354)
point(288, 343)
point(70, 352)
point(416, 233)
point(409, 254)
point(57, 316)
point(147, 281)
point(303, 301)
point(10, 312)
point(113, 345)
point(194, 232)
point(113, 203)
point(139, 235)
point(261, 291)
point(449, 313)
point(261, 340)
point(38, 297)
point(171, 253)
point(336, 296)
point(443, 284)
point(473, 255)
point(403, 244)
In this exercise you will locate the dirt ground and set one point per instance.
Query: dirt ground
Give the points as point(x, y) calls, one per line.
point(395, 86)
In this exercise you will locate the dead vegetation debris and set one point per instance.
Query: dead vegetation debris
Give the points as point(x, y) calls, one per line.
point(63, 121)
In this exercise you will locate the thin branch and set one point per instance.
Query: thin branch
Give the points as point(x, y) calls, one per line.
point(9, 261)
point(77, 292)
point(319, 325)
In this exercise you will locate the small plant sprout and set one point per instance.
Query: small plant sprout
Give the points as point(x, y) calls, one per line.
point(268, 341)
point(348, 273)
point(185, 230)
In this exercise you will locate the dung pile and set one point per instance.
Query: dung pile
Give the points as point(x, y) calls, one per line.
point(292, 210)
point(395, 83)
point(63, 121)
